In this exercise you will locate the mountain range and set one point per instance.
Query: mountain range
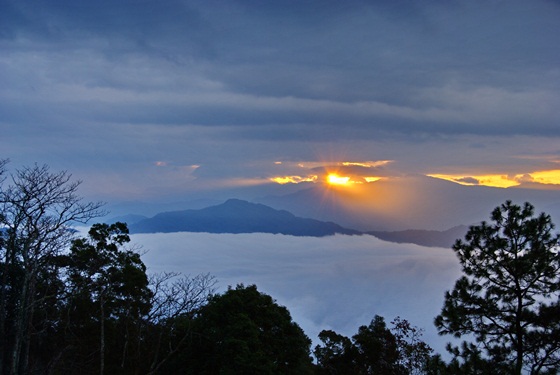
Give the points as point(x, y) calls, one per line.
point(239, 216)
point(412, 209)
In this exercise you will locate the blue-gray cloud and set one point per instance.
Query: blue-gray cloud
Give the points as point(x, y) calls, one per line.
point(473, 68)
point(134, 82)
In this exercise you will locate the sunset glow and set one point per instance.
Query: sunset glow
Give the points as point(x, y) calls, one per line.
point(342, 173)
point(550, 177)
point(331, 179)
point(547, 177)
point(367, 164)
point(294, 179)
point(335, 179)
point(500, 181)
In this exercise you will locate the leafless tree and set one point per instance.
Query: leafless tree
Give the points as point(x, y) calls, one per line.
point(175, 295)
point(37, 210)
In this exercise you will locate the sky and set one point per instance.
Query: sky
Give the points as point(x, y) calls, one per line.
point(151, 100)
point(337, 283)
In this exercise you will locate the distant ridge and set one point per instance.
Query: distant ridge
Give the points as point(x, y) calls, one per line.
point(238, 216)
point(129, 219)
point(430, 238)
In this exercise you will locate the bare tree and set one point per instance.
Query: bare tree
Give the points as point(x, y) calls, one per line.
point(175, 295)
point(36, 212)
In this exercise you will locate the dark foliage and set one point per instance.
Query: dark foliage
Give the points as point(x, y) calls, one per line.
point(508, 299)
point(80, 305)
point(375, 349)
point(244, 331)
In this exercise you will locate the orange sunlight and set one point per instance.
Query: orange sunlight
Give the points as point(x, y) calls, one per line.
point(293, 179)
point(334, 179)
point(343, 174)
point(546, 177)
point(500, 181)
point(550, 177)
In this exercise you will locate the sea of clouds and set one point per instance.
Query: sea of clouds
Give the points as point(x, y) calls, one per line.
point(338, 282)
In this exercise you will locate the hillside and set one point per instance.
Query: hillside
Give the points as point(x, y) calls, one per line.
point(237, 216)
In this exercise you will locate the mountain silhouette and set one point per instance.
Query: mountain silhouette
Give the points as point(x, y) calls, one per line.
point(238, 216)
point(429, 238)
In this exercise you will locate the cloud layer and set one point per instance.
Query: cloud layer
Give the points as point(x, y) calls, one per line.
point(338, 282)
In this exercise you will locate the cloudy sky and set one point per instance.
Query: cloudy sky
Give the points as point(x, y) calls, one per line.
point(159, 100)
point(147, 99)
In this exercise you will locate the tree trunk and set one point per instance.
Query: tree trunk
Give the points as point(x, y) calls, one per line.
point(125, 347)
point(20, 322)
point(3, 313)
point(102, 339)
point(26, 345)
point(519, 336)
point(6, 280)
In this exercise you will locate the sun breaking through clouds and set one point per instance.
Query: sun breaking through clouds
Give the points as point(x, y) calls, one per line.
point(335, 179)
point(344, 173)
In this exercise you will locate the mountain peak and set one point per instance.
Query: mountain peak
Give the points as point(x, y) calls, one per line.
point(238, 216)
